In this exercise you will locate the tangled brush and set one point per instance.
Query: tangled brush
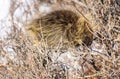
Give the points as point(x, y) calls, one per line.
point(61, 27)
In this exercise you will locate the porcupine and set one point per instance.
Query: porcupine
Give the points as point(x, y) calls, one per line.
point(63, 27)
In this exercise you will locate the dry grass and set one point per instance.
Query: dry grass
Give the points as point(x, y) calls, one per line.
point(21, 59)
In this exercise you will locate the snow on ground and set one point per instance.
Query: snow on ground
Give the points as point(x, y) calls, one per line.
point(4, 8)
point(4, 23)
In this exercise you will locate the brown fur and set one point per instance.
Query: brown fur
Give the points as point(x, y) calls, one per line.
point(61, 26)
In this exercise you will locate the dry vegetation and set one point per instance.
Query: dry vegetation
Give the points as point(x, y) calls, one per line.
point(20, 58)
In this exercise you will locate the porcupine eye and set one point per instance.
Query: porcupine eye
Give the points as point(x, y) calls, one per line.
point(87, 41)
